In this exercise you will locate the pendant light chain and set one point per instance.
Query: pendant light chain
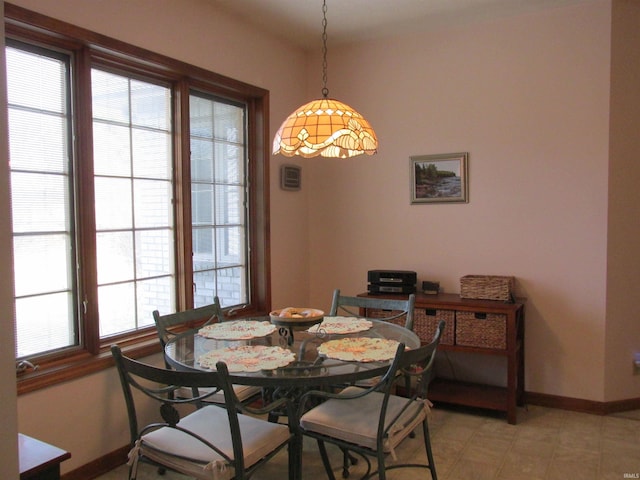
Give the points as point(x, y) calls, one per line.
point(325, 127)
point(325, 90)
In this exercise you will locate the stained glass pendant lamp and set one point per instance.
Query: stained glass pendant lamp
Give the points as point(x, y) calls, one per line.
point(325, 126)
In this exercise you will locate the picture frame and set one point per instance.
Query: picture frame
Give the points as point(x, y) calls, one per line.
point(441, 178)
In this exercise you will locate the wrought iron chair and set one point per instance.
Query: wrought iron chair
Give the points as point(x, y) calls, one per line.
point(396, 310)
point(171, 324)
point(346, 419)
point(209, 443)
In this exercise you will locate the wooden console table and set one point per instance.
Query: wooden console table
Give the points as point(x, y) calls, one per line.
point(39, 460)
point(456, 311)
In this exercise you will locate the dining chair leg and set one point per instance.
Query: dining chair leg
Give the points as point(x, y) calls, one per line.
point(345, 464)
point(347, 460)
point(427, 445)
point(272, 417)
point(382, 472)
point(295, 462)
point(325, 460)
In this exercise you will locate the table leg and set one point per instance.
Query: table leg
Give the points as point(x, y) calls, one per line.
point(287, 333)
point(295, 466)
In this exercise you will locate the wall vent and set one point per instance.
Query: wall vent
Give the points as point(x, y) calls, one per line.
point(290, 177)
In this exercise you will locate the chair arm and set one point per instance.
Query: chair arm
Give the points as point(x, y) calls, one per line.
point(321, 394)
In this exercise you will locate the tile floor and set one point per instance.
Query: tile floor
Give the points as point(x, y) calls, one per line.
point(546, 444)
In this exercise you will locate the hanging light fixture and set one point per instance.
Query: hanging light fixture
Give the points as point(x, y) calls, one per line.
point(325, 126)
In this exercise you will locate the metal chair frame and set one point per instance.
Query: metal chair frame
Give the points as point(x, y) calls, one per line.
point(171, 324)
point(165, 323)
point(346, 305)
point(341, 303)
point(414, 364)
point(159, 384)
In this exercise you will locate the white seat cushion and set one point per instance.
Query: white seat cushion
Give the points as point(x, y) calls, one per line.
point(259, 438)
point(355, 421)
point(243, 392)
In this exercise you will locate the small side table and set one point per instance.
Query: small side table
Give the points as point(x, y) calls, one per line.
point(39, 460)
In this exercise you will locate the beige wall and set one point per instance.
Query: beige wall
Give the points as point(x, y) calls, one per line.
point(622, 337)
point(527, 97)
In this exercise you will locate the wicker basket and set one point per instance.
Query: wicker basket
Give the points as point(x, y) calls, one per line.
point(485, 330)
point(425, 322)
point(487, 287)
point(383, 314)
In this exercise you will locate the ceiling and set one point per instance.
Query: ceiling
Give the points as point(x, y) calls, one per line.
point(300, 21)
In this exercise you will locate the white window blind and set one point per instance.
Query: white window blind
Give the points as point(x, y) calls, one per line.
point(41, 198)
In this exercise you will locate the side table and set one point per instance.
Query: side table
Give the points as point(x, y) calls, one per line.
point(39, 460)
point(459, 313)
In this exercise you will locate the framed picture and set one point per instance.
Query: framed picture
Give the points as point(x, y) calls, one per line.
point(439, 178)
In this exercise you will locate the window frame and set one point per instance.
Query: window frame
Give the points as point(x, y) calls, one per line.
point(216, 184)
point(88, 50)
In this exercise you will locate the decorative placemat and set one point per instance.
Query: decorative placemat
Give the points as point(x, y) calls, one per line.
point(248, 358)
point(341, 325)
point(237, 330)
point(359, 349)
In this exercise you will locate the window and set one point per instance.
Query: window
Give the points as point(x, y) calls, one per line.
point(218, 200)
point(132, 158)
point(42, 200)
point(115, 213)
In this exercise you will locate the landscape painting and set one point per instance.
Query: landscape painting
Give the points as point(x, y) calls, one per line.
point(439, 178)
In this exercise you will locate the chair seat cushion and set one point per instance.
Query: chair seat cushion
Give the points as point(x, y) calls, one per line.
point(356, 420)
point(243, 392)
point(259, 438)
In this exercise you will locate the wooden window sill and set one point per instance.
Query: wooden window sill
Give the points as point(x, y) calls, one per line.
point(82, 364)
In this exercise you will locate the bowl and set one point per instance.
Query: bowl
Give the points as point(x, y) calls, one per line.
point(296, 317)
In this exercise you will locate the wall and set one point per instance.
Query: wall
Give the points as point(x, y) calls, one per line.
point(87, 416)
point(623, 273)
point(9, 438)
point(528, 98)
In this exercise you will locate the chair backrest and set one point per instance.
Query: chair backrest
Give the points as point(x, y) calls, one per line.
point(388, 309)
point(416, 366)
point(165, 324)
point(418, 363)
point(160, 384)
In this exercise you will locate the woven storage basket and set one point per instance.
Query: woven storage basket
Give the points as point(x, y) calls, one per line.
point(485, 330)
point(425, 322)
point(487, 287)
point(380, 313)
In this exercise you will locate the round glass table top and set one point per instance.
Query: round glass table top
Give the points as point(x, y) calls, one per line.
point(309, 365)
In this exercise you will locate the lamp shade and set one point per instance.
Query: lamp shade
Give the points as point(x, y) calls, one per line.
point(325, 127)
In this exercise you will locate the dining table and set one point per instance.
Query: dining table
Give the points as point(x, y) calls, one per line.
point(310, 358)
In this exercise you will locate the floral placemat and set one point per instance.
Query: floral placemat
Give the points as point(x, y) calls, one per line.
point(359, 349)
point(237, 330)
point(248, 358)
point(341, 325)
